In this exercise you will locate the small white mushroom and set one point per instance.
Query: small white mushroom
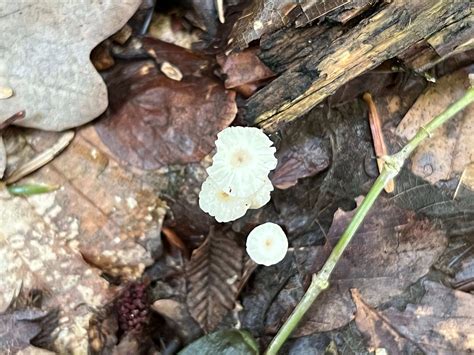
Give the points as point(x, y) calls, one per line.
point(267, 244)
point(243, 160)
point(262, 196)
point(219, 204)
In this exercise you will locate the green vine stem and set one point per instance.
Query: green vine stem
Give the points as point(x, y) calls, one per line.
point(392, 167)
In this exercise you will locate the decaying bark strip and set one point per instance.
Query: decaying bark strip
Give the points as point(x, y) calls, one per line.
point(386, 33)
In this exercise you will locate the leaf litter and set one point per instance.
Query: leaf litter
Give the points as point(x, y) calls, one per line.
point(153, 145)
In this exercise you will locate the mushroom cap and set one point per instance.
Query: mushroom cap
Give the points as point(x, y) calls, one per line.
point(262, 196)
point(219, 204)
point(267, 244)
point(243, 160)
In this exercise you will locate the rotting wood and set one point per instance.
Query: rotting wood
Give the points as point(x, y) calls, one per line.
point(386, 33)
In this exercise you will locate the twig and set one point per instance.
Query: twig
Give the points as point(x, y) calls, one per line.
point(41, 159)
point(377, 136)
point(392, 167)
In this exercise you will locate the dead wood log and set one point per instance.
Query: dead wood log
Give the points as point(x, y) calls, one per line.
point(387, 32)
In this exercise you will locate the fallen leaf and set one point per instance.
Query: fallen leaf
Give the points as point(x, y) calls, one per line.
point(414, 193)
point(442, 322)
point(391, 250)
point(243, 68)
point(35, 255)
point(236, 342)
point(19, 327)
point(213, 275)
point(179, 319)
point(154, 121)
point(45, 58)
point(104, 211)
point(303, 153)
point(451, 148)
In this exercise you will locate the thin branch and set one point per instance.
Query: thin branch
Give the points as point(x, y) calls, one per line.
point(392, 167)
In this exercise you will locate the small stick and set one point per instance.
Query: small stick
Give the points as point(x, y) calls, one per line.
point(17, 116)
point(377, 136)
point(220, 10)
point(41, 159)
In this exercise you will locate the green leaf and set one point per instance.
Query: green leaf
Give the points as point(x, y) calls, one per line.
point(223, 342)
point(31, 189)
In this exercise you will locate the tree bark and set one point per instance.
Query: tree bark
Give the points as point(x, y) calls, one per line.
point(339, 54)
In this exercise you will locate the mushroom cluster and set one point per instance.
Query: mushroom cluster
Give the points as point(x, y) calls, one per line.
point(238, 177)
point(238, 181)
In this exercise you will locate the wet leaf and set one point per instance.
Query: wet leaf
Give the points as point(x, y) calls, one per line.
point(450, 149)
point(214, 273)
point(154, 121)
point(442, 322)
point(45, 59)
point(235, 342)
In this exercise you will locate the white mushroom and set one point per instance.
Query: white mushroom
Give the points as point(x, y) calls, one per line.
point(267, 244)
point(219, 204)
point(262, 196)
point(243, 160)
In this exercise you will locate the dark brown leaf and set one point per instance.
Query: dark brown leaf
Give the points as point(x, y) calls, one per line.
point(303, 153)
point(155, 121)
point(25, 323)
point(18, 328)
point(392, 249)
point(213, 275)
point(442, 323)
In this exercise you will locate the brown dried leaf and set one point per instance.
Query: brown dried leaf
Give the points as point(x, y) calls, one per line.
point(214, 273)
point(45, 59)
point(243, 68)
point(102, 213)
point(107, 214)
point(154, 121)
point(392, 249)
point(451, 147)
point(34, 255)
point(442, 322)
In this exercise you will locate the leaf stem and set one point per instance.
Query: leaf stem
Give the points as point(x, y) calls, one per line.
point(392, 167)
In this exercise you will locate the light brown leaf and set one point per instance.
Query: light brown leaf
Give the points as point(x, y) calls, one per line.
point(442, 323)
point(45, 59)
point(34, 255)
point(103, 214)
point(214, 273)
point(451, 148)
point(107, 214)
